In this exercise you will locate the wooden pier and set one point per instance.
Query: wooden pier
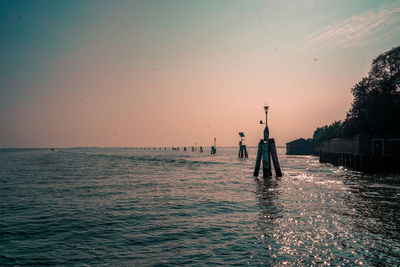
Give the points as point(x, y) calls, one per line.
point(363, 152)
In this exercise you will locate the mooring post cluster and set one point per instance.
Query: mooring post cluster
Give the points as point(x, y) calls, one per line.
point(214, 147)
point(267, 150)
point(242, 148)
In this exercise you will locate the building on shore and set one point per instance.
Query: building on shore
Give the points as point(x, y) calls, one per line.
point(300, 146)
point(363, 152)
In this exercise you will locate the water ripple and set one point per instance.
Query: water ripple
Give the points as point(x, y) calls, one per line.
point(153, 207)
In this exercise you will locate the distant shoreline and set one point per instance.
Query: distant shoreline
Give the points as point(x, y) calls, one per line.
point(3, 149)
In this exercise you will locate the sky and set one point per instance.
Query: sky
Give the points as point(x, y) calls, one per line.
point(179, 73)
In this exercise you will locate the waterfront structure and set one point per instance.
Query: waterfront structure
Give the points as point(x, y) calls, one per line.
point(300, 146)
point(363, 152)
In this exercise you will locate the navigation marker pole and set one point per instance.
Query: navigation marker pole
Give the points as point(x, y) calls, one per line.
point(214, 147)
point(242, 148)
point(267, 150)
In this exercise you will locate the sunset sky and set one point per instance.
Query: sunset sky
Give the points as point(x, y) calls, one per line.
point(169, 73)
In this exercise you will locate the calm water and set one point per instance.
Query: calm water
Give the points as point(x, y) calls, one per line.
point(137, 207)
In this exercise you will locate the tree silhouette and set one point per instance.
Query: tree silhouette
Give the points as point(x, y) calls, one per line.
point(376, 105)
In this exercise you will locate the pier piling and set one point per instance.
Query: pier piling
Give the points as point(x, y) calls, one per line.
point(274, 156)
point(214, 147)
point(265, 160)
point(267, 152)
point(258, 158)
point(242, 148)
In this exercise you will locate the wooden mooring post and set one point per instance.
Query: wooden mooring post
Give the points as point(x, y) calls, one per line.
point(265, 152)
point(274, 156)
point(258, 158)
point(214, 147)
point(242, 148)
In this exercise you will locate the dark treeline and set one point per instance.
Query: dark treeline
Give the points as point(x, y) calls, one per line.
point(376, 105)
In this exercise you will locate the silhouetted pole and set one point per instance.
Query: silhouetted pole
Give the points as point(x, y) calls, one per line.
point(265, 160)
point(242, 148)
point(258, 159)
point(267, 151)
point(274, 155)
point(269, 160)
point(214, 147)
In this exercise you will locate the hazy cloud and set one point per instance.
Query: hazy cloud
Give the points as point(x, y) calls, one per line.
point(359, 30)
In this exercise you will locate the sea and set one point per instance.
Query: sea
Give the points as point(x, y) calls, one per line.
point(135, 207)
